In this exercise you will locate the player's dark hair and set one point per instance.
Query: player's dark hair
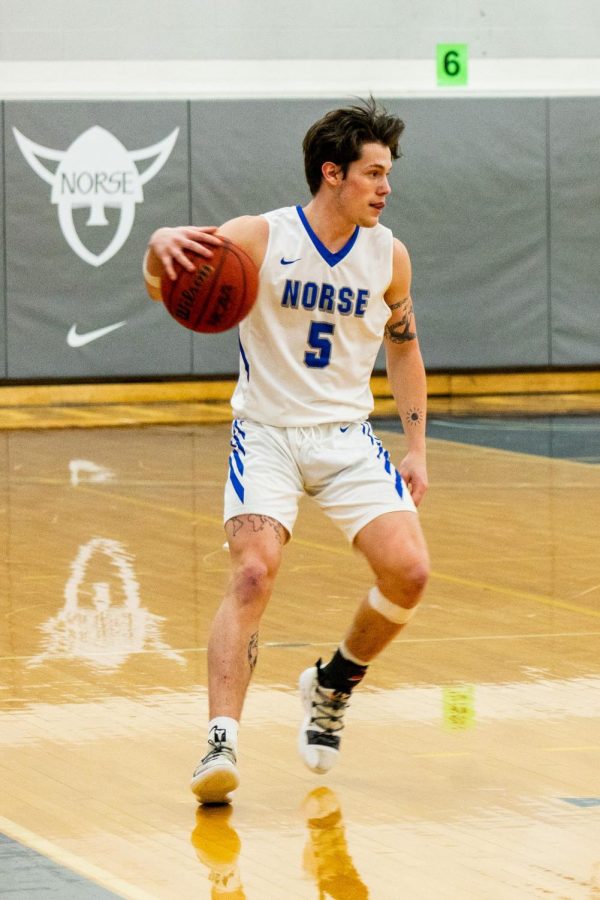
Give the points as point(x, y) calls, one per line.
point(339, 136)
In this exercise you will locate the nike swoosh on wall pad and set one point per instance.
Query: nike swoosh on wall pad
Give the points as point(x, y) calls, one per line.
point(80, 340)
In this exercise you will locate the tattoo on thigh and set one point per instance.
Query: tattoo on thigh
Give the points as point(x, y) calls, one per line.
point(253, 651)
point(236, 524)
point(258, 523)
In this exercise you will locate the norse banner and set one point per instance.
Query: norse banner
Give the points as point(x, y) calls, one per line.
point(86, 184)
point(491, 197)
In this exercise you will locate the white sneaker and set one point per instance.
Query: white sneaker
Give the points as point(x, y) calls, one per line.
point(216, 775)
point(324, 708)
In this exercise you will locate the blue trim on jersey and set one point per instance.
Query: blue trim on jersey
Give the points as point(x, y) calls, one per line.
point(332, 259)
point(237, 436)
point(366, 429)
point(387, 463)
point(237, 427)
point(238, 462)
point(399, 485)
point(235, 481)
point(244, 359)
point(235, 443)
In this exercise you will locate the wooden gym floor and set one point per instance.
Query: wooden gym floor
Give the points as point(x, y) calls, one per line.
point(471, 759)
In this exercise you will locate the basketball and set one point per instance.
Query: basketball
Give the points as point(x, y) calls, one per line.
point(217, 295)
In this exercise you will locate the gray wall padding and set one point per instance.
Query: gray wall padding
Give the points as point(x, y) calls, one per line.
point(575, 230)
point(246, 159)
point(49, 287)
point(470, 204)
point(496, 199)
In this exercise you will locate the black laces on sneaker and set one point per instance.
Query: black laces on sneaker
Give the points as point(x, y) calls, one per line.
point(328, 710)
point(219, 749)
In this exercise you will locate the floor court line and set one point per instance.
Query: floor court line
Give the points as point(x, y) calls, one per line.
point(522, 595)
point(584, 749)
point(71, 861)
point(346, 551)
point(274, 645)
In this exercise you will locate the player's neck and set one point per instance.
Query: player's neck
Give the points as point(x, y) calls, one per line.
point(333, 229)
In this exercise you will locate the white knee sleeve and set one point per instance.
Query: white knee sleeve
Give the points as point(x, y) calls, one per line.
point(399, 615)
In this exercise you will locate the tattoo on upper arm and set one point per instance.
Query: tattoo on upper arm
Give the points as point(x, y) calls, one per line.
point(253, 651)
point(403, 329)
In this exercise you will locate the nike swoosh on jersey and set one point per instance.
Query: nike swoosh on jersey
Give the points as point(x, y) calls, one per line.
point(80, 340)
point(288, 262)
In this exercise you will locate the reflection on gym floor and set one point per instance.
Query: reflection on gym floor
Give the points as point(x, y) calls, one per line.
point(470, 761)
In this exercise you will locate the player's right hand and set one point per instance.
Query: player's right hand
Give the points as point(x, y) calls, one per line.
point(169, 245)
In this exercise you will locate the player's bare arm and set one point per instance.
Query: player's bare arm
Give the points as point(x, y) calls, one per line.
point(406, 372)
point(402, 327)
point(168, 246)
point(251, 233)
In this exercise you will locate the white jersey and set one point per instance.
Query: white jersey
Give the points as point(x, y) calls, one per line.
point(308, 347)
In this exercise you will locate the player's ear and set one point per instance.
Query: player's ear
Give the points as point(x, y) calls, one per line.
point(332, 173)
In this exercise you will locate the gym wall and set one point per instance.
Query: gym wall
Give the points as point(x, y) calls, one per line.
point(117, 118)
point(287, 29)
point(494, 198)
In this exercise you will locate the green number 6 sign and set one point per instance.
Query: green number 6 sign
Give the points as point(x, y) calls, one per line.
point(452, 64)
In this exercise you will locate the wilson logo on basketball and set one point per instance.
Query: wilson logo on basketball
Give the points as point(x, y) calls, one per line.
point(215, 296)
point(188, 296)
point(221, 311)
point(96, 172)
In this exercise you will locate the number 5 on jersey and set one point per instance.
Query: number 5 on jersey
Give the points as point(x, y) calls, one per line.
point(320, 355)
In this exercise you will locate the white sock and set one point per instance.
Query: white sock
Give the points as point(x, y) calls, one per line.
point(224, 729)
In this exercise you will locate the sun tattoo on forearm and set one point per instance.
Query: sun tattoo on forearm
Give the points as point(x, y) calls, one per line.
point(403, 329)
point(415, 416)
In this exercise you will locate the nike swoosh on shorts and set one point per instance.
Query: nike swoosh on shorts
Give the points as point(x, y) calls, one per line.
point(80, 340)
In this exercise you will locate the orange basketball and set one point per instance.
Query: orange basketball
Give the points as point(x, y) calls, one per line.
point(217, 295)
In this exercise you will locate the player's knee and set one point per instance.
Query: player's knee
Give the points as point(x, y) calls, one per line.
point(253, 581)
point(417, 577)
point(405, 580)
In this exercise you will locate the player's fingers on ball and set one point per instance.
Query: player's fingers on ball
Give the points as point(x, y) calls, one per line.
point(167, 263)
point(200, 249)
point(212, 240)
point(184, 259)
point(205, 234)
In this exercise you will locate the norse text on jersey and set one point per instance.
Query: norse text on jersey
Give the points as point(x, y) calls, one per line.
point(325, 297)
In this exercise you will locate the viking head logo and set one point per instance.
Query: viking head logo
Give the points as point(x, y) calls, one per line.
point(96, 172)
point(102, 622)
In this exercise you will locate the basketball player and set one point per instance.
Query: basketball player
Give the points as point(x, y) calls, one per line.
point(333, 284)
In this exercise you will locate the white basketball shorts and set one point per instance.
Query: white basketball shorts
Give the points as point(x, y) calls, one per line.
point(343, 467)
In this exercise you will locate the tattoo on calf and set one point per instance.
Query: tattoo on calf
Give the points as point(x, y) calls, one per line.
point(253, 651)
point(403, 329)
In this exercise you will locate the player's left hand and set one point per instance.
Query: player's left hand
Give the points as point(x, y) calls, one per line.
point(413, 469)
